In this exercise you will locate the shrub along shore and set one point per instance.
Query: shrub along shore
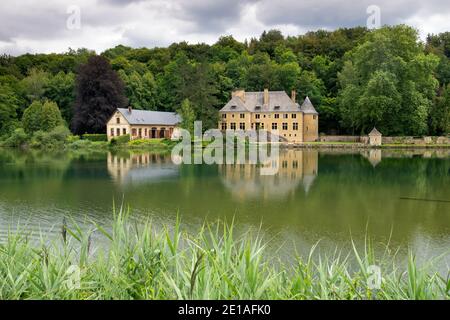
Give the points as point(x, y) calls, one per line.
point(140, 263)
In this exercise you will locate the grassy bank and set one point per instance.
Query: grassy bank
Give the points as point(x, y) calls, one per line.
point(214, 264)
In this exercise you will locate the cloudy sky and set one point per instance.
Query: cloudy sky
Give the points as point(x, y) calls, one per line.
point(55, 25)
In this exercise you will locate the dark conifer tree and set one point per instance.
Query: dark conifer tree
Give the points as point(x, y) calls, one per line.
point(99, 91)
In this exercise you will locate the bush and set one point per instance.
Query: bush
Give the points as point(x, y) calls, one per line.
point(120, 140)
point(17, 139)
point(80, 144)
point(56, 138)
point(94, 137)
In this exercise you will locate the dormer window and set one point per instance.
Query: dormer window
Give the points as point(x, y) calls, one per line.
point(233, 107)
point(277, 107)
point(258, 108)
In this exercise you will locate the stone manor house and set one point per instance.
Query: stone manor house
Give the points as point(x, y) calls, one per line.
point(271, 110)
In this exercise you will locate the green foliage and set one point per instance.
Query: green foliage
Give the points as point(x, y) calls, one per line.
point(18, 138)
point(333, 68)
point(9, 103)
point(54, 139)
point(34, 84)
point(136, 262)
point(95, 137)
point(388, 82)
point(60, 89)
point(41, 117)
point(140, 90)
point(187, 114)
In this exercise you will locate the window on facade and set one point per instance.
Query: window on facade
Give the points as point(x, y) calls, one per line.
point(285, 116)
point(258, 116)
point(118, 132)
point(124, 131)
point(242, 116)
point(314, 117)
point(277, 116)
point(232, 115)
point(294, 116)
point(285, 126)
point(261, 126)
point(233, 126)
point(118, 120)
point(277, 107)
point(134, 132)
point(224, 126)
point(242, 126)
point(258, 108)
point(233, 107)
point(224, 116)
point(112, 132)
point(295, 126)
point(274, 126)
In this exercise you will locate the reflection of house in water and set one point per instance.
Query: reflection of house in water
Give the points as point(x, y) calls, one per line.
point(294, 167)
point(373, 155)
point(139, 168)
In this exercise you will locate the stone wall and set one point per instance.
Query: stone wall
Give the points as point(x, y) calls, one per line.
point(388, 140)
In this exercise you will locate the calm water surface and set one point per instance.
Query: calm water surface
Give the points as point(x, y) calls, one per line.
point(327, 195)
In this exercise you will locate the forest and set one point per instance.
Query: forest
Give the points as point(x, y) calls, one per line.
point(356, 78)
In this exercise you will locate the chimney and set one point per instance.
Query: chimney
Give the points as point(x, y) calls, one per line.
point(129, 109)
point(239, 93)
point(266, 96)
point(294, 96)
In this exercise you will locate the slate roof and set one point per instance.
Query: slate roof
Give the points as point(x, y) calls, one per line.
point(375, 132)
point(144, 117)
point(307, 107)
point(254, 102)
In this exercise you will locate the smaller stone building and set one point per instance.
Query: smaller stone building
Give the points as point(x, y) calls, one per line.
point(142, 124)
point(375, 138)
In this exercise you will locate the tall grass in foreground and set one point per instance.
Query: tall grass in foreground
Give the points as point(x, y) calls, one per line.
point(138, 263)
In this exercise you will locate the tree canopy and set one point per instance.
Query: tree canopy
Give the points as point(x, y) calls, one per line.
point(356, 79)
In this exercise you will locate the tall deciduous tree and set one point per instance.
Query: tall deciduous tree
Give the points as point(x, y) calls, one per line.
point(9, 103)
point(60, 89)
point(41, 117)
point(99, 91)
point(388, 81)
point(187, 113)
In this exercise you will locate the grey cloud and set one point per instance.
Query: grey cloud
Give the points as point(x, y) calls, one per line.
point(160, 22)
point(343, 13)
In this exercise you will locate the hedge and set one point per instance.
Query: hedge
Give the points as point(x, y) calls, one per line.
point(95, 137)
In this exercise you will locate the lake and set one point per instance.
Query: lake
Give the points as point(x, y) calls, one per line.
point(398, 197)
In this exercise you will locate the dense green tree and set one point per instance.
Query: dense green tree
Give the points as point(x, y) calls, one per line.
point(99, 91)
point(187, 113)
point(388, 81)
point(61, 89)
point(34, 84)
point(440, 117)
point(140, 90)
point(9, 103)
point(41, 117)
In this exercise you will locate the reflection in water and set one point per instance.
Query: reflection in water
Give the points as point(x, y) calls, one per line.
point(293, 168)
point(141, 168)
point(316, 195)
